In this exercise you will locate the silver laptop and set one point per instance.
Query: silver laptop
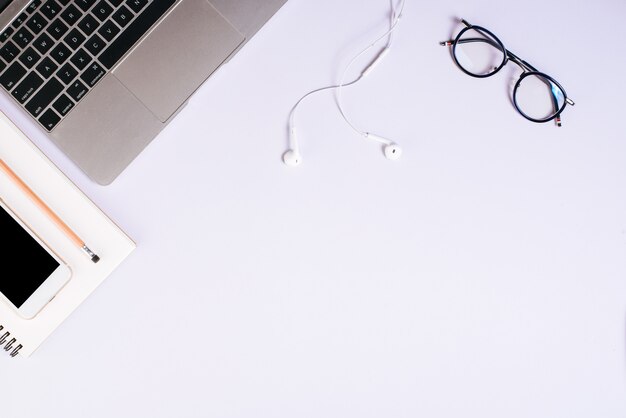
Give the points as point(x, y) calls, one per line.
point(104, 77)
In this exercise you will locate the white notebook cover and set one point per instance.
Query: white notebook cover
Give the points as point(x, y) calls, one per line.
point(104, 237)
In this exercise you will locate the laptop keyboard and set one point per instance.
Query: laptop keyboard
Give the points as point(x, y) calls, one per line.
point(54, 52)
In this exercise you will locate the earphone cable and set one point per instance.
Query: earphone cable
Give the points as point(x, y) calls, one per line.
point(292, 156)
point(396, 16)
point(294, 109)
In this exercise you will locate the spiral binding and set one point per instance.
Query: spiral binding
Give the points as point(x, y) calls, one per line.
point(8, 347)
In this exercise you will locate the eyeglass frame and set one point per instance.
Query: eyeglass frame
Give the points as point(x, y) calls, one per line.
point(528, 70)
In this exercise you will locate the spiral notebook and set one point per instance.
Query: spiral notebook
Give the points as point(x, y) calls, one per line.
point(19, 336)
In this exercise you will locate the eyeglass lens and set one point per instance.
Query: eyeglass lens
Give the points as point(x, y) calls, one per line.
point(538, 97)
point(478, 53)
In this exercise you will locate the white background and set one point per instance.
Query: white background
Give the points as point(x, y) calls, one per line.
point(483, 275)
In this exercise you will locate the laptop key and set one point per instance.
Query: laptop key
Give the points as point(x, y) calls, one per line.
point(57, 29)
point(64, 2)
point(50, 9)
point(123, 16)
point(80, 59)
point(19, 20)
point(5, 35)
point(74, 39)
point(134, 32)
point(2, 66)
point(9, 51)
point(12, 75)
point(67, 73)
point(109, 30)
point(85, 4)
point(29, 57)
point(46, 67)
point(71, 15)
point(33, 6)
point(116, 3)
point(44, 97)
point(43, 43)
point(94, 45)
point(102, 10)
point(60, 53)
point(137, 5)
point(92, 74)
point(36, 23)
point(63, 105)
point(77, 90)
point(49, 119)
point(27, 87)
point(23, 37)
point(88, 24)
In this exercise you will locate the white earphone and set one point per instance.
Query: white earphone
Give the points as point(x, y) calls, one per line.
point(392, 151)
point(292, 156)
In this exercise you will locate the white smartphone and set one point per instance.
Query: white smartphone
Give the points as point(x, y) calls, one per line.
point(31, 274)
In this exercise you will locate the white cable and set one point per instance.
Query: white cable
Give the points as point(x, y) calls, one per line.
point(392, 17)
point(396, 20)
point(292, 115)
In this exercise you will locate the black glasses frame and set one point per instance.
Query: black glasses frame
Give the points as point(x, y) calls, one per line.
point(527, 70)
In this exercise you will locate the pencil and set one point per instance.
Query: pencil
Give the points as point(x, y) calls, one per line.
point(45, 209)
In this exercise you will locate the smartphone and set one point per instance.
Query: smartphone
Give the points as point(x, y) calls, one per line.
point(31, 273)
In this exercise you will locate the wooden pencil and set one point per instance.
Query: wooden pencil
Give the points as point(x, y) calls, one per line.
point(45, 209)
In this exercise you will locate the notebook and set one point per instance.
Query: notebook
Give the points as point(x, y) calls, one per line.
point(19, 336)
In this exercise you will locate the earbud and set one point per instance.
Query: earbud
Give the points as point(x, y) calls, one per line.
point(393, 152)
point(292, 158)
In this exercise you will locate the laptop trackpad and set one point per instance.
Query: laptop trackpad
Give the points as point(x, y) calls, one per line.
point(178, 56)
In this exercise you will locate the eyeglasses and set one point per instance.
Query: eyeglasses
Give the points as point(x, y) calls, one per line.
point(536, 96)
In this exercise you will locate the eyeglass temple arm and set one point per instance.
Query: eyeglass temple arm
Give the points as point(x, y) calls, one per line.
point(511, 56)
point(449, 43)
point(520, 62)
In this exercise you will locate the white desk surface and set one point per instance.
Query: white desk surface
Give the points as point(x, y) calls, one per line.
point(484, 275)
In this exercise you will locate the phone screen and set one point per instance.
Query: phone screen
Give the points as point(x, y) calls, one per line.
point(27, 276)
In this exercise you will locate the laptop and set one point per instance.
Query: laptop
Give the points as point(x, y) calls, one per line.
point(104, 77)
